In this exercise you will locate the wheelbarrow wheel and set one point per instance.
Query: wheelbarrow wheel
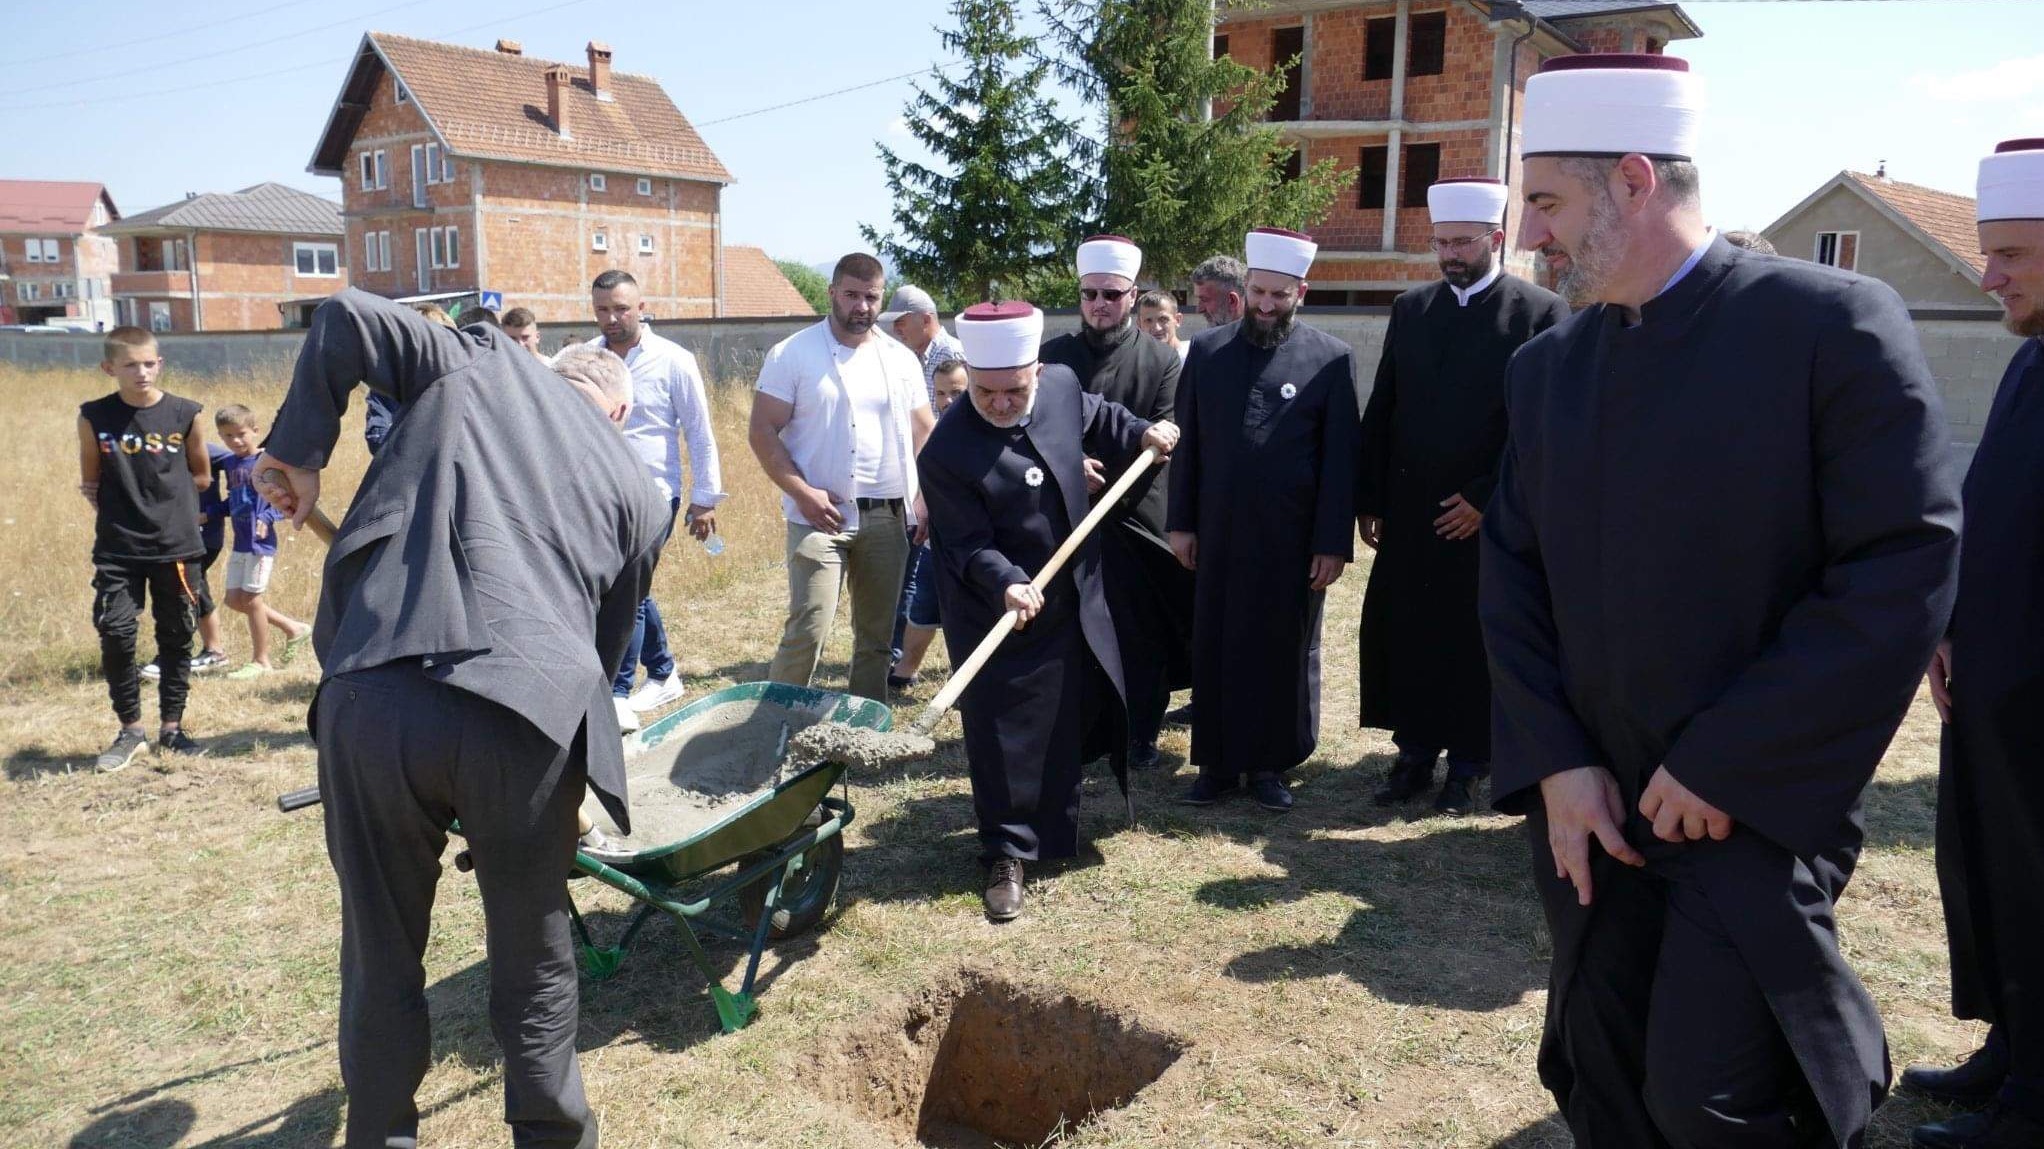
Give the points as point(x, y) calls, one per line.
point(805, 897)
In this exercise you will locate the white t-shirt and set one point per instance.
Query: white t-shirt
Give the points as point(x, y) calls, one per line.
point(875, 473)
point(803, 371)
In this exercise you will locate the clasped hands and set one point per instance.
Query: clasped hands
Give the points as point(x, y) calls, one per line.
point(1585, 803)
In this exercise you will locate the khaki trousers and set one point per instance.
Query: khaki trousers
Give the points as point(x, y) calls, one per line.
point(872, 559)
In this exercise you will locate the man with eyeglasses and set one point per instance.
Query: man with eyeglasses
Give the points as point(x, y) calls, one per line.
point(1262, 510)
point(1148, 593)
point(1432, 434)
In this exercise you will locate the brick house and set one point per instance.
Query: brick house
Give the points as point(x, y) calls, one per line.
point(464, 171)
point(54, 262)
point(252, 260)
point(1402, 93)
point(1920, 241)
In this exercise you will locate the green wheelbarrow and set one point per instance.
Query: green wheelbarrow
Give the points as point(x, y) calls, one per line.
point(766, 868)
point(763, 871)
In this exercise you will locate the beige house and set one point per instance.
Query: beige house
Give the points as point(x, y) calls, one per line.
point(1918, 240)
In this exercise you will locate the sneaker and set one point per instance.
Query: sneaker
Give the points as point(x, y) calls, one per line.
point(153, 672)
point(655, 693)
point(178, 742)
point(1270, 792)
point(252, 670)
point(205, 662)
point(627, 718)
point(127, 744)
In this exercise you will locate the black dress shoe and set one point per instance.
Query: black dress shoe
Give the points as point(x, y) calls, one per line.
point(1972, 1083)
point(1208, 789)
point(2000, 1127)
point(1144, 757)
point(1270, 792)
point(1455, 799)
point(1409, 778)
point(1004, 890)
point(1179, 717)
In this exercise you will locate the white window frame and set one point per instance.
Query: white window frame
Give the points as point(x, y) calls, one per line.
point(159, 315)
point(1837, 239)
point(301, 249)
point(432, 163)
point(453, 245)
point(53, 251)
point(62, 289)
point(31, 250)
point(383, 248)
point(28, 292)
point(420, 176)
point(645, 243)
point(599, 241)
point(382, 169)
point(422, 246)
point(402, 94)
point(597, 182)
point(446, 166)
point(368, 171)
point(645, 186)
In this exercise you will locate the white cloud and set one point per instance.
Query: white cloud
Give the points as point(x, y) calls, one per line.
point(2001, 82)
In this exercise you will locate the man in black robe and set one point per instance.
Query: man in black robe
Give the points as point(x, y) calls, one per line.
point(1004, 478)
point(1262, 511)
point(1721, 550)
point(1988, 681)
point(1148, 593)
point(1432, 433)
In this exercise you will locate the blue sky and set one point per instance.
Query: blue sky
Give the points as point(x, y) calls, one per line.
point(156, 99)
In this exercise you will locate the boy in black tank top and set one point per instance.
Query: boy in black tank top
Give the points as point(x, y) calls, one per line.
point(142, 462)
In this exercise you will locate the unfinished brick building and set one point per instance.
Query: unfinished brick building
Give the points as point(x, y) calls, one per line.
point(1404, 92)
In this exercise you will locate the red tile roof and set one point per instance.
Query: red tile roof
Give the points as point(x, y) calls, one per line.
point(493, 105)
point(754, 286)
point(50, 206)
point(1946, 217)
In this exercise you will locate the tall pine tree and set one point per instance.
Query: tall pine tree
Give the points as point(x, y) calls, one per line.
point(1003, 214)
point(1180, 182)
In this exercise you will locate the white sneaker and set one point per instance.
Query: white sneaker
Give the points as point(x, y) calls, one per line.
point(655, 693)
point(627, 718)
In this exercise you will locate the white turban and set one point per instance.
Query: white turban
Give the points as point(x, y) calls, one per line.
point(1468, 201)
point(1110, 255)
point(2012, 182)
point(1614, 104)
point(1000, 335)
point(1275, 249)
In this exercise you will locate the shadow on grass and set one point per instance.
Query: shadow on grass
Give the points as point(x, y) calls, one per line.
point(1547, 1134)
point(1903, 815)
point(35, 760)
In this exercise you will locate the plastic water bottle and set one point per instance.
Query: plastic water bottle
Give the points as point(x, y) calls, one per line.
point(714, 545)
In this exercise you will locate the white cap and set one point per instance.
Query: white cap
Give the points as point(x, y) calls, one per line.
point(908, 298)
point(1110, 255)
point(1468, 201)
point(1275, 249)
point(2012, 182)
point(1614, 104)
point(1000, 335)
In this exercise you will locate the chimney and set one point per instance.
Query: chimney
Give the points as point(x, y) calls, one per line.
point(557, 99)
point(599, 69)
point(1882, 173)
point(511, 47)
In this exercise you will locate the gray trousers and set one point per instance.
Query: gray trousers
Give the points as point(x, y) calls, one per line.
point(400, 758)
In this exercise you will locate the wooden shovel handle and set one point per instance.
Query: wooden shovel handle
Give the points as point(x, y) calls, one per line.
point(963, 675)
point(317, 520)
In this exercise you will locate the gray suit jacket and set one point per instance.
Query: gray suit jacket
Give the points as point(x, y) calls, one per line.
point(503, 536)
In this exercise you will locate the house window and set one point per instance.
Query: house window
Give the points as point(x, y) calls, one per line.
point(446, 167)
point(175, 255)
point(61, 289)
point(1220, 46)
point(1422, 169)
point(1380, 47)
point(596, 181)
point(599, 241)
point(1287, 50)
point(383, 248)
point(382, 168)
point(159, 315)
point(453, 247)
point(1289, 169)
point(368, 171)
point(1370, 168)
point(645, 244)
point(43, 250)
point(1427, 44)
point(403, 94)
point(29, 292)
point(439, 241)
point(645, 186)
point(432, 163)
point(420, 176)
point(1838, 249)
point(317, 259)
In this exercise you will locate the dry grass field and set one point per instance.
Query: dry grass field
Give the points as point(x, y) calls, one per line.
point(1341, 976)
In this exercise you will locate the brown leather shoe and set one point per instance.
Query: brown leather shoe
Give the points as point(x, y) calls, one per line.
point(1004, 890)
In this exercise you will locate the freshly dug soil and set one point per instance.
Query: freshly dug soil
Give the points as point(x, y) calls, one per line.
point(709, 766)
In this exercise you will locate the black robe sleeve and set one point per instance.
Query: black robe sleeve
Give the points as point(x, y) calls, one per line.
point(1111, 433)
point(1477, 492)
point(1534, 729)
point(355, 338)
point(966, 544)
point(1334, 508)
point(1373, 467)
point(1784, 748)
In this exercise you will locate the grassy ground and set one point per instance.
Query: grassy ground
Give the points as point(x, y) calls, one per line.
point(1338, 976)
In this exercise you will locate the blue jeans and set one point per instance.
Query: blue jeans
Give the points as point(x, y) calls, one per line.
point(649, 640)
point(918, 595)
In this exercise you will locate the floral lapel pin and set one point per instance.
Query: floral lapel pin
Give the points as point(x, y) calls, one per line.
point(1287, 391)
point(1033, 476)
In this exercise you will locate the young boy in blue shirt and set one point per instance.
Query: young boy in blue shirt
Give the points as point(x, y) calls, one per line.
point(255, 547)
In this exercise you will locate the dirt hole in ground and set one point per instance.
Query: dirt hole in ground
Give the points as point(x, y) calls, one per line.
point(978, 1062)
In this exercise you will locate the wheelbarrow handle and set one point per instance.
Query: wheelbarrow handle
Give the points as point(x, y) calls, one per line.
point(298, 799)
point(963, 675)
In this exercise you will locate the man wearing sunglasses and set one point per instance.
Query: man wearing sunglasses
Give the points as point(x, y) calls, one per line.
point(1148, 593)
point(1432, 435)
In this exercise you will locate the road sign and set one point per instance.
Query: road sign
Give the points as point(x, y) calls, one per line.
point(494, 300)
